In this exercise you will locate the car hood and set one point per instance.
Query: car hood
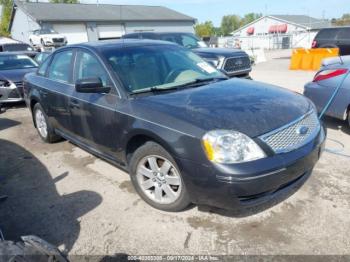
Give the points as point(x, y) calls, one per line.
point(225, 52)
point(52, 36)
point(16, 75)
point(246, 106)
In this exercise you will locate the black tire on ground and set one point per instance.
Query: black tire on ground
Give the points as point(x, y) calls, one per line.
point(51, 137)
point(349, 118)
point(153, 149)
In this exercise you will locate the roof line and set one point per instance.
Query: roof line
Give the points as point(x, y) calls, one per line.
point(271, 16)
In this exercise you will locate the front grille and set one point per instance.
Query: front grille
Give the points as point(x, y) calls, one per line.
point(294, 135)
point(58, 40)
point(234, 64)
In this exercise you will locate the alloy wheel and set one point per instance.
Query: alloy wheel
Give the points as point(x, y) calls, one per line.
point(41, 123)
point(159, 179)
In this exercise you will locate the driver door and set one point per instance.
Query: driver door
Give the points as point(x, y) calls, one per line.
point(93, 114)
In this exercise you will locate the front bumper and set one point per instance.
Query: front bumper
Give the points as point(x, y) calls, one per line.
point(251, 184)
point(10, 94)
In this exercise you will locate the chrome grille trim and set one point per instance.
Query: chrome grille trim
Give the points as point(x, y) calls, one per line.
point(287, 138)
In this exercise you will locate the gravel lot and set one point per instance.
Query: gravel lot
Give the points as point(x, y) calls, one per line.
point(88, 207)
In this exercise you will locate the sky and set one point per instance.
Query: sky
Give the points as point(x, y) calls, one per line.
point(213, 10)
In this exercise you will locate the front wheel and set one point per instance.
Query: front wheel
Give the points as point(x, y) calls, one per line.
point(43, 126)
point(157, 178)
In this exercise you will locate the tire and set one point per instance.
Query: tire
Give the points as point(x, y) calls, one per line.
point(349, 118)
point(45, 130)
point(162, 189)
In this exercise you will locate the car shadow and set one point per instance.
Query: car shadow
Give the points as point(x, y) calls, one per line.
point(336, 124)
point(33, 206)
point(6, 123)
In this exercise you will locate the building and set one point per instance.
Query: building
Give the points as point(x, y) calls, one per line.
point(91, 22)
point(280, 31)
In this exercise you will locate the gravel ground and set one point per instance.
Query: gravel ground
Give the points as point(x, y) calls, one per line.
point(85, 206)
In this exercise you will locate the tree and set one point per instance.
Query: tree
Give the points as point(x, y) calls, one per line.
point(230, 23)
point(248, 18)
point(205, 29)
point(6, 16)
point(64, 1)
point(344, 20)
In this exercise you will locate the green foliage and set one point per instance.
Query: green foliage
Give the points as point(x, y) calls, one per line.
point(230, 23)
point(6, 16)
point(344, 20)
point(248, 18)
point(205, 29)
point(64, 1)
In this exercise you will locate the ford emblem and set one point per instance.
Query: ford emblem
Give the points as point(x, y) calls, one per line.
point(302, 130)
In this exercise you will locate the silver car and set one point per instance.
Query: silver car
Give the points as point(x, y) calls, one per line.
point(326, 81)
point(13, 67)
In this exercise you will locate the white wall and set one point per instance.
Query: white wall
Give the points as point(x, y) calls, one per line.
point(22, 26)
point(74, 32)
point(262, 27)
point(132, 27)
point(298, 40)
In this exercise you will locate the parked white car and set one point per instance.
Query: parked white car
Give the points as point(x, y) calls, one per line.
point(47, 38)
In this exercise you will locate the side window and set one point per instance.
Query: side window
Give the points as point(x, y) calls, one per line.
point(327, 34)
point(189, 42)
point(60, 68)
point(43, 68)
point(88, 66)
point(344, 33)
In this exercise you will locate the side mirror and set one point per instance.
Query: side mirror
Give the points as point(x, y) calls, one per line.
point(91, 85)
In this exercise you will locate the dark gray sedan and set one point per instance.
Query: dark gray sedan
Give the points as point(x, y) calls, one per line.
point(13, 67)
point(325, 82)
point(183, 131)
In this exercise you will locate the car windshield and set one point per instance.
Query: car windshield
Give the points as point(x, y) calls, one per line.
point(158, 66)
point(186, 40)
point(11, 62)
point(17, 47)
point(47, 31)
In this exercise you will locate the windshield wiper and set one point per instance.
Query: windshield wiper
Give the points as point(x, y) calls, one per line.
point(194, 83)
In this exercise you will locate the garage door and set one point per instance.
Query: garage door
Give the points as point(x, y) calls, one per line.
point(75, 33)
point(110, 31)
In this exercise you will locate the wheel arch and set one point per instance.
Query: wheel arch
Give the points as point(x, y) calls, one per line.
point(139, 138)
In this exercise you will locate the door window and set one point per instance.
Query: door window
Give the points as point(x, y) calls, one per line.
point(88, 66)
point(344, 33)
point(60, 69)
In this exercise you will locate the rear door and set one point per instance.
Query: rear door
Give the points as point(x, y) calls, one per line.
point(93, 115)
point(343, 40)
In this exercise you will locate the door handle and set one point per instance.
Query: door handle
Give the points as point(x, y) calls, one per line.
point(74, 104)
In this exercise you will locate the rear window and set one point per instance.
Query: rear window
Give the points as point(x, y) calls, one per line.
point(11, 62)
point(344, 33)
point(327, 34)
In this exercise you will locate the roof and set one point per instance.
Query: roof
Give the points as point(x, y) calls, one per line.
point(99, 12)
point(304, 20)
point(308, 22)
point(121, 43)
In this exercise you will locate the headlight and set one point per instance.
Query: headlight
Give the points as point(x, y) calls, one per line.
point(4, 83)
point(216, 62)
point(229, 147)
